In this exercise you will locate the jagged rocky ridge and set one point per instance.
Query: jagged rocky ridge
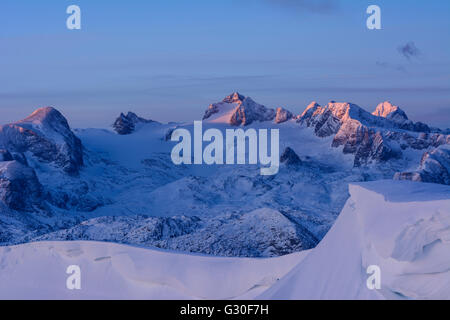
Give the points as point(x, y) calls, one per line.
point(244, 111)
point(126, 124)
point(378, 137)
point(371, 137)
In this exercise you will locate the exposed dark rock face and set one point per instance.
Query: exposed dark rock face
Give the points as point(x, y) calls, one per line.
point(322, 120)
point(5, 156)
point(126, 124)
point(19, 186)
point(375, 147)
point(290, 158)
point(434, 167)
point(47, 136)
point(262, 233)
point(168, 135)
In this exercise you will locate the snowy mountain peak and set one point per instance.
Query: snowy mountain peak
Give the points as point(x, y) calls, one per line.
point(371, 137)
point(46, 118)
point(238, 110)
point(235, 97)
point(47, 136)
point(19, 186)
point(310, 109)
point(43, 113)
point(401, 227)
point(389, 111)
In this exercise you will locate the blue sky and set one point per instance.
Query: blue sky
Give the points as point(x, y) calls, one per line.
point(169, 59)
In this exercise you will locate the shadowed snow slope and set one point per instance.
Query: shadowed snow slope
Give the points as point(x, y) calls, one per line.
point(111, 271)
point(402, 227)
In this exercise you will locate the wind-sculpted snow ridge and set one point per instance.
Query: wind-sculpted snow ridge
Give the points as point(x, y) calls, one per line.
point(19, 186)
point(401, 227)
point(113, 271)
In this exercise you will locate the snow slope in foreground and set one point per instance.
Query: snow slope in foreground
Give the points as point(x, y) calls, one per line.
point(112, 271)
point(402, 227)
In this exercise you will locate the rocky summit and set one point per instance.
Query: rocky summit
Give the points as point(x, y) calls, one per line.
point(45, 136)
point(126, 124)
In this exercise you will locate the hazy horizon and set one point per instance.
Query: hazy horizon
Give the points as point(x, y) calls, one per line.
point(168, 60)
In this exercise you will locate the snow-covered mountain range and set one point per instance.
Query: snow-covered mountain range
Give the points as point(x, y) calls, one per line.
point(93, 184)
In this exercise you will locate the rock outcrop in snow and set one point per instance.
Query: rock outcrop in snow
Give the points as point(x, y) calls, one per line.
point(126, 124)
point(238, 110)
point(45, 135)
point(290, 158)
point(283, 115)
point(113, 271)
point(434, 167)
